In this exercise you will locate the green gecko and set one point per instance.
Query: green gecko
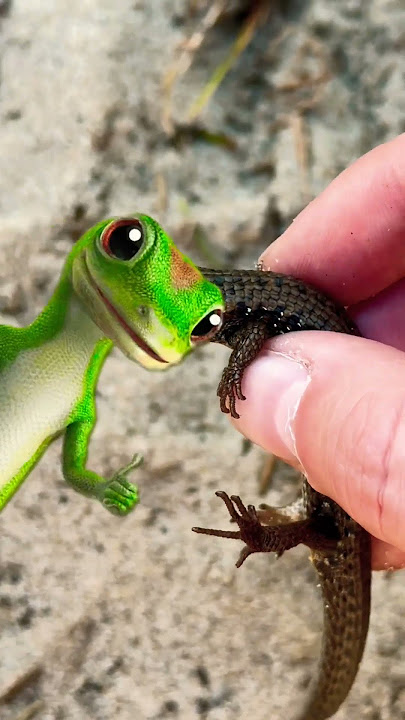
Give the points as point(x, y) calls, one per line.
point(124, 283)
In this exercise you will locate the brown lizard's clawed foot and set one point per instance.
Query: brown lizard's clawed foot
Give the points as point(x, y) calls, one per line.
point(230, 389)
point(251, 531)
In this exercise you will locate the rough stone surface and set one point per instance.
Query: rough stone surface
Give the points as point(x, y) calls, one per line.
point(140, 618)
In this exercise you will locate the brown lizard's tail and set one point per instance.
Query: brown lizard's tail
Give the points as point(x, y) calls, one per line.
point(345, 578)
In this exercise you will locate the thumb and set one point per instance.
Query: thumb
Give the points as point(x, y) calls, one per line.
point(334, 406)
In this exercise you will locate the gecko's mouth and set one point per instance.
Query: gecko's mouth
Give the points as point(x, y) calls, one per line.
point(132, 334)
point(140, 342)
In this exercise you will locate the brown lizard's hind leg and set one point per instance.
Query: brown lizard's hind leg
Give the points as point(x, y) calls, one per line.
point(287, 529)
point(341, 557)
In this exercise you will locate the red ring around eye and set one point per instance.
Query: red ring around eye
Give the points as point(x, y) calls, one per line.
point(118, 243)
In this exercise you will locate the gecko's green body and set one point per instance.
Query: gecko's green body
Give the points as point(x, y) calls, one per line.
point(139, 293)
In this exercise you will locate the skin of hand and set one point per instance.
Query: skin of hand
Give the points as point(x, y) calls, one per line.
point(334, 405)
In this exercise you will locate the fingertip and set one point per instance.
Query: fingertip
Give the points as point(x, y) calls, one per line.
point(273, 386)
point(349, 240)
point(386, 557)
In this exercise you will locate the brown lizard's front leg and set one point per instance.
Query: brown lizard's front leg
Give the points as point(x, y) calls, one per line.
point(246, 347)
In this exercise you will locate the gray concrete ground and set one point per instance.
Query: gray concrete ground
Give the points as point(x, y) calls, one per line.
point(140, 619)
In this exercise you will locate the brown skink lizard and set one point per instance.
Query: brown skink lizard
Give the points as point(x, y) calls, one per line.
point(260, 305)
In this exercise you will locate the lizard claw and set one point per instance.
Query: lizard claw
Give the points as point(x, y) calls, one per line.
point(250, 529)
point(229, 390)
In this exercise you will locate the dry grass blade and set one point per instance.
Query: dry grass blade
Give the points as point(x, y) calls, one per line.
point(185, 59)
point(31, 710)
point(258, 16)
point(302, 150)
point(266, 474)
point(29, 677)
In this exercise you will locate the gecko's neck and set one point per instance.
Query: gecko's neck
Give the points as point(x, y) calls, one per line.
point(66, 314)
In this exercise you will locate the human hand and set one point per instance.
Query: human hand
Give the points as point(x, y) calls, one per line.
point(330, 404)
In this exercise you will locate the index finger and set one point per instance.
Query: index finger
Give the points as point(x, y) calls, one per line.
point(350, 241)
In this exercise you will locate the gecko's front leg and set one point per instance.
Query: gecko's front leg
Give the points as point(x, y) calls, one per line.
point(117, 494)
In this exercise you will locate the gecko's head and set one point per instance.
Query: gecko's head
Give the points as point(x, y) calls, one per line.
point(143, 293)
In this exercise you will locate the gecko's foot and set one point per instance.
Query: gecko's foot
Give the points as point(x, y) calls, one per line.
point(120, 496)
point(251, 531)
point(230, 389)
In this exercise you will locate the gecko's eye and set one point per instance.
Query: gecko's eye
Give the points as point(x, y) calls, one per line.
point(123, 239)
point(207, 327)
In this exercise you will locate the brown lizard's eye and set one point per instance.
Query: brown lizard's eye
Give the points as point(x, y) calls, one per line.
point(207, 327)
point(123, 239)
